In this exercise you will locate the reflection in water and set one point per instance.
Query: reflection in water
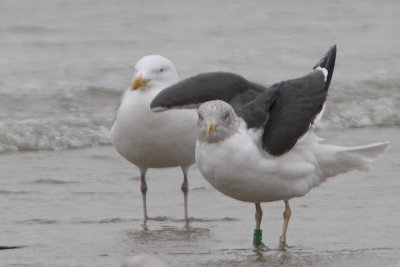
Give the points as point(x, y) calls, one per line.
point(169, 233)
point(105, 221)
point(191, 219)
point(303, 257)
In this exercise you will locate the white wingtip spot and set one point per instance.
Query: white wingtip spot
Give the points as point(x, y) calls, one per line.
point(324, 71)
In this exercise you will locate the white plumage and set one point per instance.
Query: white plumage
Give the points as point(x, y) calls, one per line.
point(239, 168)
point(154, 140)
point(234, 163)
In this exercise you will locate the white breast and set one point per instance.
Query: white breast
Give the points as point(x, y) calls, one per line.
point(153, 140)
point(239, 169)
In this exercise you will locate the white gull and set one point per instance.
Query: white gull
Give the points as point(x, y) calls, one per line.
point(151, 140)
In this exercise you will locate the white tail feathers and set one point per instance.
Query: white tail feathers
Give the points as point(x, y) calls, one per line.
point(368, 152)
point(360, 157)
point(334, 160)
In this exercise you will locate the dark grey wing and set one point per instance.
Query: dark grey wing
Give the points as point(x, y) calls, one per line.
point(256, 112)
point(297, 103)
point(193, 91)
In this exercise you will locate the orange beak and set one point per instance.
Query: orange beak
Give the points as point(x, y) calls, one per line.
point(138, 82)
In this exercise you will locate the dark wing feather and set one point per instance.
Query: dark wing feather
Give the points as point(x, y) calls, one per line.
point(256, 112)
point(193, 91)
point(286, 109)
point(328, 62)
point(297, 103)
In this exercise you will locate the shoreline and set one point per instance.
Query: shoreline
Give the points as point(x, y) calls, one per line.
point(83, 207)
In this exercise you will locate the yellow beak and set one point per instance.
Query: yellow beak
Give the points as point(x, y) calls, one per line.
point(138, 82)
point(210, 128)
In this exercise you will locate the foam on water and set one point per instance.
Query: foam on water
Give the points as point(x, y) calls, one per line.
point(74, 118)
point(82, 117)
point(366, 104)
point(47, 134)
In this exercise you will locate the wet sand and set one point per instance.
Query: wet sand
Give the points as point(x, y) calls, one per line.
point(83, 208)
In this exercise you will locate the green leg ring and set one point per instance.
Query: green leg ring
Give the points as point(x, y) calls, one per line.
point(257, 240)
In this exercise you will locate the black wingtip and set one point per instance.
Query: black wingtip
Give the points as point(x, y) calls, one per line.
point(328, 62)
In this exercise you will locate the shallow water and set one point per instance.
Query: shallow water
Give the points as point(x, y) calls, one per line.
point(69, 199)
point(83, 208)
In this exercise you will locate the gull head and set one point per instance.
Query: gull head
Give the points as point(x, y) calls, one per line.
point(216, 121)
point(153, 70)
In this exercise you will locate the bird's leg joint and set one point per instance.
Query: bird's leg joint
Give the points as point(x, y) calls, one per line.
point(185, 187)
point(143, 187)
point(287, 213)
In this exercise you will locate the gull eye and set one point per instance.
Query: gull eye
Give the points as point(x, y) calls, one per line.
point(200, 117)
point(225, 115)
point(161, 70)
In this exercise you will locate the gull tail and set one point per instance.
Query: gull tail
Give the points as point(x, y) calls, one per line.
point(334, 160)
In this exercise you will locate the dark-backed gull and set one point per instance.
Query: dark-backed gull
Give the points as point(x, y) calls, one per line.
point(256, 144)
